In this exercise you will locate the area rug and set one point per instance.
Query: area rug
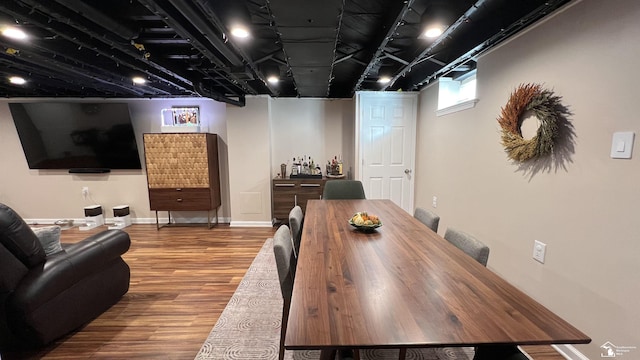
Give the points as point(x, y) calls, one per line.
point(249, 326)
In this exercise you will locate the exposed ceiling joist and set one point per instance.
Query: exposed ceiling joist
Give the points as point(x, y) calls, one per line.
point(325, 49)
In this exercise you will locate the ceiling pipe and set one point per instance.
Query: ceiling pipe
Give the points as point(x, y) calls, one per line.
point(218, 83)
point(217, 23)
point(200, 24)
point(97, 17)
point(447, 33)
point(289, 71)
point(200, 88)
point(385, 41)
point(494, 40)
point(60, 70)
point(37, 76)
point(393, 57)
point(335, 48)
point(154, 70)
point(198, 41)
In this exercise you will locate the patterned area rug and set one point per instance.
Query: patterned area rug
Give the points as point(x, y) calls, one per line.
point(249, 326)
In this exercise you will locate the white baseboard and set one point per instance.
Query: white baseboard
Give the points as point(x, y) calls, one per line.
point(161, 220)
point(251, 224)
point(569, 352)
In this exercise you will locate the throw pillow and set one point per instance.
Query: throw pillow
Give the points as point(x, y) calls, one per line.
point(49, 237)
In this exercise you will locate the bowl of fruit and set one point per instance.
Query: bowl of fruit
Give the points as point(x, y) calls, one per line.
point(364, 221)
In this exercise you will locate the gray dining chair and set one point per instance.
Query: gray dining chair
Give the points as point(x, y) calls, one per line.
point(480, 252)
point(427, 217)
point(343, 190)
point(286, 264)
point(469, 244)
point(296, 217)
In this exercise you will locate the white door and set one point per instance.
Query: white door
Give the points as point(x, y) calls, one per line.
point(387, 141)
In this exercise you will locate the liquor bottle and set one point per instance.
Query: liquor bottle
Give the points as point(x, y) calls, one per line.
point(295, 168)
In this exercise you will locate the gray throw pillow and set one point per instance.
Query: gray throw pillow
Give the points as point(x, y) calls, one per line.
point(49, 237)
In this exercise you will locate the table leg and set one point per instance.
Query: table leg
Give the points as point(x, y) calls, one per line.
point(327, 354)
point(403, 354)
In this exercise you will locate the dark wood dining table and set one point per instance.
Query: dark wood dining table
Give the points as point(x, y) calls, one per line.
point(402, 286)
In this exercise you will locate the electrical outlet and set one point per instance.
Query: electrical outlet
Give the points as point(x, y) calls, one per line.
point(434, 202)
point(85, 192)
point(539, 250)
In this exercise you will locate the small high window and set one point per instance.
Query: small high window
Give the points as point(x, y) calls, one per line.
point(456, 94)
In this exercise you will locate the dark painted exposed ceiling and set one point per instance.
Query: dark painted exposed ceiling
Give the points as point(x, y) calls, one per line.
point(328, 48)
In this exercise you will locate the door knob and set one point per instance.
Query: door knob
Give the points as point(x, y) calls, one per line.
point(407, 171)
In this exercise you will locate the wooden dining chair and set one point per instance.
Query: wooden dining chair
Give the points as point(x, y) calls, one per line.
point(286, 264)
point(427, 217)
point(296, 217)
point(469, 244)
point(343, 190)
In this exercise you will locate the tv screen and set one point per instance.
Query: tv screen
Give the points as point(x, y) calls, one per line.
point(66, 135)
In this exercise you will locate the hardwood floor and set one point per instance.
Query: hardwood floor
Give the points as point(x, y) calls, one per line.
point(181, 280)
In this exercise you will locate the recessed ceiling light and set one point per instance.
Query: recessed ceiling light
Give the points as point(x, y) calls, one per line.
point(433, 32)
point(139, 80)
point(273, 79)
point(384, 80)
point(14, 33)
point(240, 31)
point(17, 80)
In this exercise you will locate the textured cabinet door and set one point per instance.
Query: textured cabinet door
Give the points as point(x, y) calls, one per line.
point(182, 171)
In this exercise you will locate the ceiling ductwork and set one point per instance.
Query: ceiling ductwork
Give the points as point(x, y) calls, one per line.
point(186, 48)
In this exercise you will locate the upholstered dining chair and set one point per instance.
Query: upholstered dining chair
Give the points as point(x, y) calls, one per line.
point(480, 252)
point(427, 217)
point(343, 190)
point(469, 244)
point(296, 217)
point(286, 264)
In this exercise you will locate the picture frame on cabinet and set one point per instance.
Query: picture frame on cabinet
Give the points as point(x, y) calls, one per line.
point(186, 116)
point(181, 119)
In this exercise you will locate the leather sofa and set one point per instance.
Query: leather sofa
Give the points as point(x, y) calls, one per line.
point(45, 297)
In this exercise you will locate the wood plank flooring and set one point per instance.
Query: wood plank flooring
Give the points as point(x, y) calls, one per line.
point(181, 280)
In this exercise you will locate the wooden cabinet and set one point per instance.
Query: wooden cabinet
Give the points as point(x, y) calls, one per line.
point(287, 193)
point(183, 172)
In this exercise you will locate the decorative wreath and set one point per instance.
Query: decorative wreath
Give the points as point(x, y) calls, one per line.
point(545, 106)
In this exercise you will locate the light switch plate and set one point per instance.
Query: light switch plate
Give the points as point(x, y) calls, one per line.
point(622, 145)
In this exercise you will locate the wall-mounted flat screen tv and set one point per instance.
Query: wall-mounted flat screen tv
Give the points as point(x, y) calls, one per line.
point(76, 135)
